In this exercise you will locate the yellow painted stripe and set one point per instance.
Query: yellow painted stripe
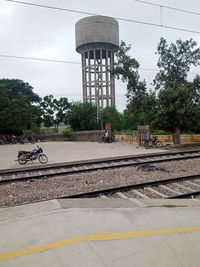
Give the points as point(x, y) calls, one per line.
point(93, 237)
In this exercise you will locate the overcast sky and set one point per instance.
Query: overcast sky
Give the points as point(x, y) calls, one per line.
point(46, 33)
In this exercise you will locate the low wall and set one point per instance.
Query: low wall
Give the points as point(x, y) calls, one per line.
point(94, 136)
point(87, 136)
point(164, 138)
point(50, 137)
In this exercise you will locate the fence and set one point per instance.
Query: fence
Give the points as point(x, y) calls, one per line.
point(94, 136)
point(51, 137)
point(87, 136)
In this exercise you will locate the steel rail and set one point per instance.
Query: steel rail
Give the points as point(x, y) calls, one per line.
point(94, 161)
point(92, 169)
point(134, 186)
point(185, 195)
point(117, 189)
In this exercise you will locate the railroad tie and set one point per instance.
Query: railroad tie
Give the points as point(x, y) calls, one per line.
point(192, 183)
point(156, 192)
point(183, 187)
point(135, 201)
point(139, 194)
point(169, 189)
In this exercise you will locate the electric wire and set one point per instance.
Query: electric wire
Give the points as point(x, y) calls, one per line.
point(168, 7)
point(70, 62)
point(89, 13)
point(95, 14)
point(41, 59)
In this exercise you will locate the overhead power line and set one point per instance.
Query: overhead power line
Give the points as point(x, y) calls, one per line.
point(52, 7)
point(41, 59)
point(95, 14)
point(168, 7)
point(66, 62)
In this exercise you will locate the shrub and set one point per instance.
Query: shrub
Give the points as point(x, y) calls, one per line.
point(67, 132)
point(158, 132)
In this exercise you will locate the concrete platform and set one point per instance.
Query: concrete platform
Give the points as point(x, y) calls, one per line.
point(97, 232)
point(101, 233)
point(70, 151)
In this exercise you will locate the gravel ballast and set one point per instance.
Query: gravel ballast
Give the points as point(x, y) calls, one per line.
point(51, 188)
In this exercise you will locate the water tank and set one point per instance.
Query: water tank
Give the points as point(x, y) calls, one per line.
point(97, 39)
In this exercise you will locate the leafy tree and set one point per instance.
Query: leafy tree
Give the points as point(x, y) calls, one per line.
point(176, 109)
point(61, 108)
point(178, 99)
point(130, 121)
point(113, 116)
point(17, 88)
point(54, 111)
point(141, 103)
point(16, 106)
point(175, 61)
point(83, 116)
point(46, 105)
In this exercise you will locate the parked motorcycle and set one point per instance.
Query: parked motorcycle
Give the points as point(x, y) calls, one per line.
point(6, 140)
point(24, 156)
point(106, 139)
point(152, 142)
point(26, 139)
point(3, 141)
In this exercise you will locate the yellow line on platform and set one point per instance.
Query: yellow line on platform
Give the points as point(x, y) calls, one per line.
point(93, 237)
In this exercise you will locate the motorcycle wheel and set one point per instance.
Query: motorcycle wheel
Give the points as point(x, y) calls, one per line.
point(22, 159)
point(42, 158)
point(159, 144)
point(101, 139)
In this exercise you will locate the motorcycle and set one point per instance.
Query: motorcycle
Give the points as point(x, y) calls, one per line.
point(106, 139)
point(3, 141)
point(152, 142)
point(24, 156)
point(25, 139)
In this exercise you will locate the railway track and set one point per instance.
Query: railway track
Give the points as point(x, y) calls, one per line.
point(56, 170)
point(178, 187)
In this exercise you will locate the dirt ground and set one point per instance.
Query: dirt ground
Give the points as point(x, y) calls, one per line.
point(69, 151)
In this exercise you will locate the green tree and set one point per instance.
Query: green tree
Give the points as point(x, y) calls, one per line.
point(83, 116)
point(113, 116)
point(178, 99)
point(17, 102)
point(61, 107)
point(54, 111)
point(46, 105)
point(177, 110)
point(141, 104)
point(17, 88)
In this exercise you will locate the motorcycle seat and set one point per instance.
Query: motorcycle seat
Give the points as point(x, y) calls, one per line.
point(26, 152)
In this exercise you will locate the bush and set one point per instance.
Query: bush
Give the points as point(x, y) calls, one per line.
point(67, 132)
point(187, 132)
point(158, 132)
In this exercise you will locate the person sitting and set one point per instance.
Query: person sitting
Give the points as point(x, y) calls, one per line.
point(154, 139)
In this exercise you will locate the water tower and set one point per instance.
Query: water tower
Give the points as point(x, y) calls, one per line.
point(97, 39)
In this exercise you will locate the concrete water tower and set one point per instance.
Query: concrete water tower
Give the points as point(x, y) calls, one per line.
point(97, 39)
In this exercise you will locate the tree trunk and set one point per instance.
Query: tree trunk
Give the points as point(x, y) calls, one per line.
point(56, 128)
point(176, 136)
